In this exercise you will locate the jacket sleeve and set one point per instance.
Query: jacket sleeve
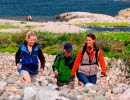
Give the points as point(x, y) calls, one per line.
point(77, 62)
point(56, 63)
point(18, 56)
point(102, 62)
point(42, 58)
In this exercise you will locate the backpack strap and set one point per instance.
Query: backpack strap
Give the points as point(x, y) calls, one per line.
point(96, 54)
point(83, 51)
point(73, 57)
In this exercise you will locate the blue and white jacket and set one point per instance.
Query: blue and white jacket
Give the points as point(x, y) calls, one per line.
point(29, 61)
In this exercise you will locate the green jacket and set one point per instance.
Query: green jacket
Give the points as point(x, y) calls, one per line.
point(64, 67)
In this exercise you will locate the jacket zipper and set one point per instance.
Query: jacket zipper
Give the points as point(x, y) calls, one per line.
point(29, 55)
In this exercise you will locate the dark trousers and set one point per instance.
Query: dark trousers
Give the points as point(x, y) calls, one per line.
point(70, 84)
point(61, 83)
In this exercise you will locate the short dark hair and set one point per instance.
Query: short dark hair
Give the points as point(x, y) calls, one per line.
point(91, 35)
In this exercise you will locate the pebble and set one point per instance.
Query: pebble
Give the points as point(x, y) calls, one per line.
point(113, 87)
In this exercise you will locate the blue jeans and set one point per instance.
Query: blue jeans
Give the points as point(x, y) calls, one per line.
point(85, 79)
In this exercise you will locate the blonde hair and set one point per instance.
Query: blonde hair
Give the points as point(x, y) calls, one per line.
point(29, 34)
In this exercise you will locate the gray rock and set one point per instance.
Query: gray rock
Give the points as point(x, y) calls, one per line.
point(29, 93)
point(117, 90)
point(125, 95)
point(100, 97)
point(5, 95)
point(2, 85)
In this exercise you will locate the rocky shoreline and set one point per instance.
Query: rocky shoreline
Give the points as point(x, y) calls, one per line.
point(113, 87)
point(68, 24)
point(82, 17)
point(54, 27)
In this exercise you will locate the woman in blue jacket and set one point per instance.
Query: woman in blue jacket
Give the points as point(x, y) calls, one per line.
point(27, 56)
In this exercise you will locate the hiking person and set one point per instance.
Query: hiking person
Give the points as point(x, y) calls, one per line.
point(62, 66)
point(30, 18)
point(26, 58)
point(87, 60)
point(27, 18)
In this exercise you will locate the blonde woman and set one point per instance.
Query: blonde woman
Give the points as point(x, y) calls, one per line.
point(26, 58)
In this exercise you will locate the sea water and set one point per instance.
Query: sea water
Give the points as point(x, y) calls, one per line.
point(44, 10)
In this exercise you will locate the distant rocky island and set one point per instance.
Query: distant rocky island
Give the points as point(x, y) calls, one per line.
point(122, 16)
point(67, 22)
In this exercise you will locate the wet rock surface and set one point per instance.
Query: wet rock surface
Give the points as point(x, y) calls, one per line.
point(113, 87)
point(124, 14)
point(81, 17)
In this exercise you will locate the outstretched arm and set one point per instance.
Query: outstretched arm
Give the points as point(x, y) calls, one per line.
point(102, 63)
point(77, 62)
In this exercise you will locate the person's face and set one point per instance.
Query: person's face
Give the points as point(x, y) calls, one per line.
point(32, 40)
point(90, 42)
point(67, 54)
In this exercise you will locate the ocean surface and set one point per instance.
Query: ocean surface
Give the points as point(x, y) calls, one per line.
point(44, 10)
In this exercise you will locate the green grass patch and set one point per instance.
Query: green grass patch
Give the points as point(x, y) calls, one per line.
point(108, 24)
point(23, 22)
point(105, 40)
point(7, 26)
point(29, 27)
point(113, 44)
point(8, 49)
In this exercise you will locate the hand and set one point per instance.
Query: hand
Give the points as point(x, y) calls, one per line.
point(56, 73)
point(72, 77)
point(18, 65)
point(103, 74)
point(41, 70)
point(80, 83)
